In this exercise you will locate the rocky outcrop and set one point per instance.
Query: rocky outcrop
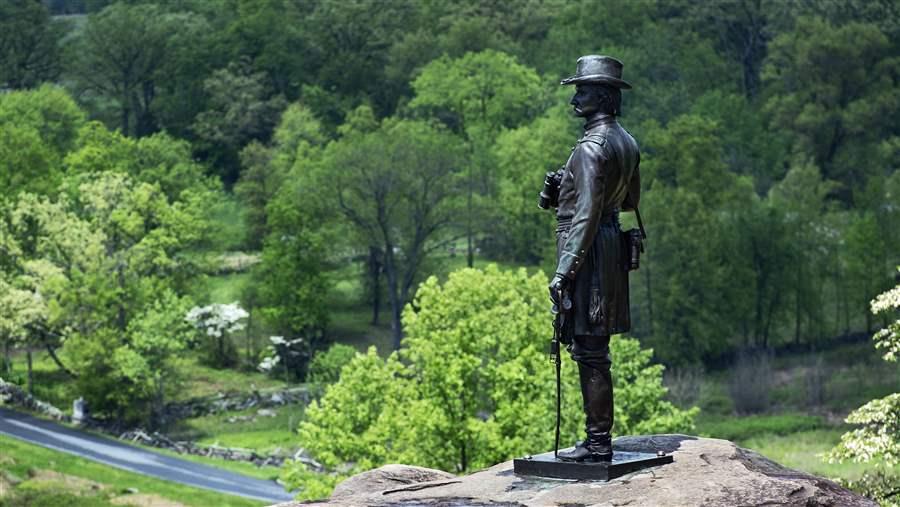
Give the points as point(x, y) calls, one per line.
point(11, 394)
point(231, 402)
point(275, 459)
point(705, 472)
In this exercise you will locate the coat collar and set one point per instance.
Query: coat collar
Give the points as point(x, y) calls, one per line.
point(598, 119)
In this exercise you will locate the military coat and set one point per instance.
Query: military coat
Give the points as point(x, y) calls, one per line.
point(600, 178)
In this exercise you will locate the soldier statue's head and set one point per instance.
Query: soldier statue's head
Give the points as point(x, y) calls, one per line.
point(598, 86)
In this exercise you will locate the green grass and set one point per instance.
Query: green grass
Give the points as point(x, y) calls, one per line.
point(262, 434)
point(229, 229)
point(803, 450)
point(739, 429)
point(50, 383)
point(240, 467)
point(227, 288)
point(791, 432)
point(201, 380)
point(351, 316)
point(41, 485)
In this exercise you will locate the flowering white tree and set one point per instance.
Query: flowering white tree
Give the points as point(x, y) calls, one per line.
point(217, 321)
point(290, 354)
point(878, 436)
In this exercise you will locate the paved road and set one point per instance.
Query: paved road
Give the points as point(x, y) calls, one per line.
point(135, 459)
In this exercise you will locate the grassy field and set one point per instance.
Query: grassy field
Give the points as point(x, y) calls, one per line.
point(795, 430)
point(197, 380)
point(32, 476)
point(249, 430)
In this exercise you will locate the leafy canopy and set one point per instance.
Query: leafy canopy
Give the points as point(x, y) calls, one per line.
point(456, 395)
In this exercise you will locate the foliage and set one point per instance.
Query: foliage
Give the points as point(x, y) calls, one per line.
point(477, 95)
point(266, 168)
point(125, 53)
point(749, 426)
point(216, 322)
point(38, 128)
point(482, 91)
point(241, 109)
point(325, 367)
point(288, 356)
point(878, 434)
point(523, 156)
point(472, 363)
point(825, 111)
point(395, 187)
point(100, 269)
point(879, 485)
point(29, 44)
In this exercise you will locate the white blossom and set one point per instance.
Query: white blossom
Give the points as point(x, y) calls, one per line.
point(217, 319)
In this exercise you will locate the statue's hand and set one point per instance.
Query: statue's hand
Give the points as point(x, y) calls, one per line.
point(557, 286)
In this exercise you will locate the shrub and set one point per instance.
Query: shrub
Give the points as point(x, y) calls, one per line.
point(325, 367)
point(751, 382)
point(684, 385)
point(740, 429)
point(473, 366)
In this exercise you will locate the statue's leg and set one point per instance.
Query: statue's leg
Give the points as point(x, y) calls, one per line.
point(592, 355)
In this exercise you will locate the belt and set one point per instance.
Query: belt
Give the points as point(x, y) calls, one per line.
point(609, 218)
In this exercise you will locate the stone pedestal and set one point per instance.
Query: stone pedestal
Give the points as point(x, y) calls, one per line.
point(623, 462)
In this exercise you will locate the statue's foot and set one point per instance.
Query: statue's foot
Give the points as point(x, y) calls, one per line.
point(583, 452)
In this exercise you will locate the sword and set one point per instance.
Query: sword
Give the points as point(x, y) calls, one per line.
point(558, 322)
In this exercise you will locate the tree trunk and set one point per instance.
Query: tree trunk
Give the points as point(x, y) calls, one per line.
point(375, 274)
point(59, 363)
point(249, 352)
point(30, 372)
point(126, 113)
point(393, 294)
point(7, 363)
point(470, 254)
point(649, 299)
point(797, 308)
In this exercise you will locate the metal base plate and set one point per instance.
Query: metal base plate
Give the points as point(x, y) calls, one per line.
point(545, 465)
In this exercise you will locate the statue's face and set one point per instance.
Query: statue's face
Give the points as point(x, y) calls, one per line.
point(586, 100)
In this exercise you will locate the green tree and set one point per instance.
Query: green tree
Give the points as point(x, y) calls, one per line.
point(696, 272)
point(29, 44)
point(44, 251)
point(864, 258)
point(265, 168)
point(38, 128)
point(395, 187)
point(158, 159)
point(124, 55)
point(877, 436)
point(836, 118)
point(472, 363)
point(241, 109)
point(477, 95)
point(523, 156)
point(802, 198)
point(103, 267)
point(291, 274)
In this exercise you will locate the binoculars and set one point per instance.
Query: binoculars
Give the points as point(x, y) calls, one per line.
point(549, 196)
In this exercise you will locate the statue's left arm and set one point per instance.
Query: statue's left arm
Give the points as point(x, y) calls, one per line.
point(633, 197)
point(589, 182)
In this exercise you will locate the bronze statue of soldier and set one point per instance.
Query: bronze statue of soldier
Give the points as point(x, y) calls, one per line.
point(590, 287)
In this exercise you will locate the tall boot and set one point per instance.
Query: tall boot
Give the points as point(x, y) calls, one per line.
point(597, 393)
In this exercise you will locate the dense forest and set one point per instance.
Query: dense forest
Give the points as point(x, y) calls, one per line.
point(334, 155)
point(387, 141)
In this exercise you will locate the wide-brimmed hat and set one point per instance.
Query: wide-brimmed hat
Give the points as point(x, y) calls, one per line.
point(598, 69)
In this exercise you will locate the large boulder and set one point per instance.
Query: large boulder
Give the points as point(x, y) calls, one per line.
point(705, 471)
